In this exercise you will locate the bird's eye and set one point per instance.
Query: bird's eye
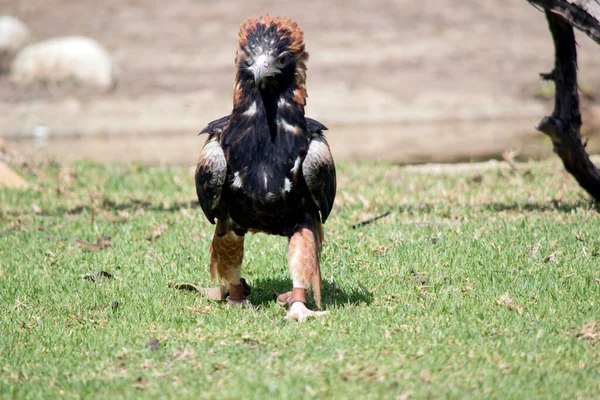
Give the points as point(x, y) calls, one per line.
point(284, 59)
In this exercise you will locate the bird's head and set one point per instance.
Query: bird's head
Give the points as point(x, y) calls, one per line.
point(271, 56)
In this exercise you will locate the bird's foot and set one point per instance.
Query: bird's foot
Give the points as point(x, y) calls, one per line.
point(237, 295)
point(245, 303)
point(300, 312)
point(213, 293)
point(284, 299)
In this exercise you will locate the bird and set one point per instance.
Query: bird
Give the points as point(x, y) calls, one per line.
point(266, 167)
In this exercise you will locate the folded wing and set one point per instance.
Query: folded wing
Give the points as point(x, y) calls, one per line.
point(210, 176)
point(319, 173)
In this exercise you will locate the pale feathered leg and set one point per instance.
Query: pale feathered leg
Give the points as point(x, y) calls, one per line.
point(304, 250)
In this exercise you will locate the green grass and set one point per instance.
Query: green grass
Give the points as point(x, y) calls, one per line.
point(416, 299)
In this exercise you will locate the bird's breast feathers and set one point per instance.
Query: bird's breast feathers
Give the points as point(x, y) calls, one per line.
point(266, 169)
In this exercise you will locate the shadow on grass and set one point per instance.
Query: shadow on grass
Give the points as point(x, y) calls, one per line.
point(422, 207)
point(263, 291)
point(112, 206)
point(552, 205)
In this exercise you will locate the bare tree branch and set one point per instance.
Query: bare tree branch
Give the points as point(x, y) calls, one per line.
point(563, 125)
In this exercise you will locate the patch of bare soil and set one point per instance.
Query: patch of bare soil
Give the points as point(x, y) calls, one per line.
point(403, 81)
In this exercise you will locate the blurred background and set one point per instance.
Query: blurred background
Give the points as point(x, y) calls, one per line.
point(403, 81)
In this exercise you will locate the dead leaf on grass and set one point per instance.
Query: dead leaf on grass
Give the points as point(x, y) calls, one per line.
point(10, 228)
point(505, 368)
point(212, 293)
point(141, 384)
point(425, 376)
point(590, 331)
point(157, 232)
point(466, 289)
point(200, 309)
point(95, 276)
point(365, 203)
point(103, 242)
point(552, 257)
point(154, 345)
point(477, 178)
point(509, 157)
point(182, 354)
point(403, 396)
point(579, 236)
point(20, 304)
point(122, 216)
point(419, 278)
point(380, 249)
point(67, 176)
point(505, 300)
point(533, 249)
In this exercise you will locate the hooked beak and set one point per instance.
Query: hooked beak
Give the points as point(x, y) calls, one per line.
point(262, 68)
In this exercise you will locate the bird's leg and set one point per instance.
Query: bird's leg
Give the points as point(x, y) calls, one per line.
point(226, 254)
point(304, 250)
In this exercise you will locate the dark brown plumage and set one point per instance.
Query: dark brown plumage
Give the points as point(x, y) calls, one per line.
point(266, 167)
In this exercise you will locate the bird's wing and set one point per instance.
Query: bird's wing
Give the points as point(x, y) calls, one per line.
point(210, 176)
point(216, 126)
point(314, 126)
point(319, 172)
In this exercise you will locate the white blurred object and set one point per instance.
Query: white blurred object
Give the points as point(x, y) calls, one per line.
point(75, 58)
point(41, 134)
point(14, 35)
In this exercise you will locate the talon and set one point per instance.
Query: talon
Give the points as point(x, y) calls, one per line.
point(284, 299)
point(299, 312)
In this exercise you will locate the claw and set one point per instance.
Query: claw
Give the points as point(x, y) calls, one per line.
point(299, 312)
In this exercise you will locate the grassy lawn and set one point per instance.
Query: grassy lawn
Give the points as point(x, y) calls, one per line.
point(481, 283)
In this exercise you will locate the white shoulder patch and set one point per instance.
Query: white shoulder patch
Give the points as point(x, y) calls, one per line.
point(282, 102)
point(287, 185)
point(237, 180)
point(296, 166)
point(287, 126)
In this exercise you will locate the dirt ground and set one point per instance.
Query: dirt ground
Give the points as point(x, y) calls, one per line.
point(405, 81)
